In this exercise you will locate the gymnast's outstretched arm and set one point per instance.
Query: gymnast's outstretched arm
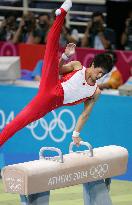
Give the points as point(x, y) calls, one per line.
point(88, 106)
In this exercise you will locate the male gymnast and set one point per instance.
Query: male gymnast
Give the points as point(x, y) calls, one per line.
point(78, 83)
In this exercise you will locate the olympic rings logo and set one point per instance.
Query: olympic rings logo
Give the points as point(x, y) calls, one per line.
point(54, 123)
point(99, 171)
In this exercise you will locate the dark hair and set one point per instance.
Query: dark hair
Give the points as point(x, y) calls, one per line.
point(9, 14)
point(113, 55)
point(95, 14)
point(104, 61)
point(44, 14)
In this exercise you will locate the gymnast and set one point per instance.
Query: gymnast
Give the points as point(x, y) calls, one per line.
point(78, 84)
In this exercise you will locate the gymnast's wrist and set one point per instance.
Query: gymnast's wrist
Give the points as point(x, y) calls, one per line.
point(65, 57)
point(75, 134)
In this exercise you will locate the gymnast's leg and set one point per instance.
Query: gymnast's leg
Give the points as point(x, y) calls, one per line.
point(45, 100)
point(50, 71)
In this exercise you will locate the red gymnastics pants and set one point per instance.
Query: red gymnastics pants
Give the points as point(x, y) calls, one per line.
point(48, 97)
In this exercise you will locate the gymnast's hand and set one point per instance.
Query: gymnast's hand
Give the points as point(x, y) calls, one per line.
point(70, 49)
point(76, 140)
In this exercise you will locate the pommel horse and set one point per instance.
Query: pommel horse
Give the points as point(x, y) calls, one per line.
point(49, 173)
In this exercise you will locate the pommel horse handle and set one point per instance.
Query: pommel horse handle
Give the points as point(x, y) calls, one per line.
point(82, 143)
point(54, 149)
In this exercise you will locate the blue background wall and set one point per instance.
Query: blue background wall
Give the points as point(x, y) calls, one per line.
point(109, 123)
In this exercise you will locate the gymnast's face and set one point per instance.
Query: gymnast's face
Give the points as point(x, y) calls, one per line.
point(97, 73)
point(94, 73)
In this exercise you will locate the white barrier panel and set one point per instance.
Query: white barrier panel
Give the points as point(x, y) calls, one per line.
point(126, 89)
point(62, 171)
point(9, 68)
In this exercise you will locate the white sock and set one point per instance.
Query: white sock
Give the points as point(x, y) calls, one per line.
point(57, 12)
point(66, 6)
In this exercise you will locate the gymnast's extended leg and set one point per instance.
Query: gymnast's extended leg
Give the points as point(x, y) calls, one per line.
point(45, 100)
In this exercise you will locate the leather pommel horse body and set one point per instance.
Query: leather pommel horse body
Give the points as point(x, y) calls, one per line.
point(65, 170)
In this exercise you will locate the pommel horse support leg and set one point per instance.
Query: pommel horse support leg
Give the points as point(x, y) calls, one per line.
point(96, 193)
point(35, 199)
point(65, 170)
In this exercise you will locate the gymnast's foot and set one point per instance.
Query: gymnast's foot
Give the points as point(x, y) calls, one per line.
point(66, 6)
